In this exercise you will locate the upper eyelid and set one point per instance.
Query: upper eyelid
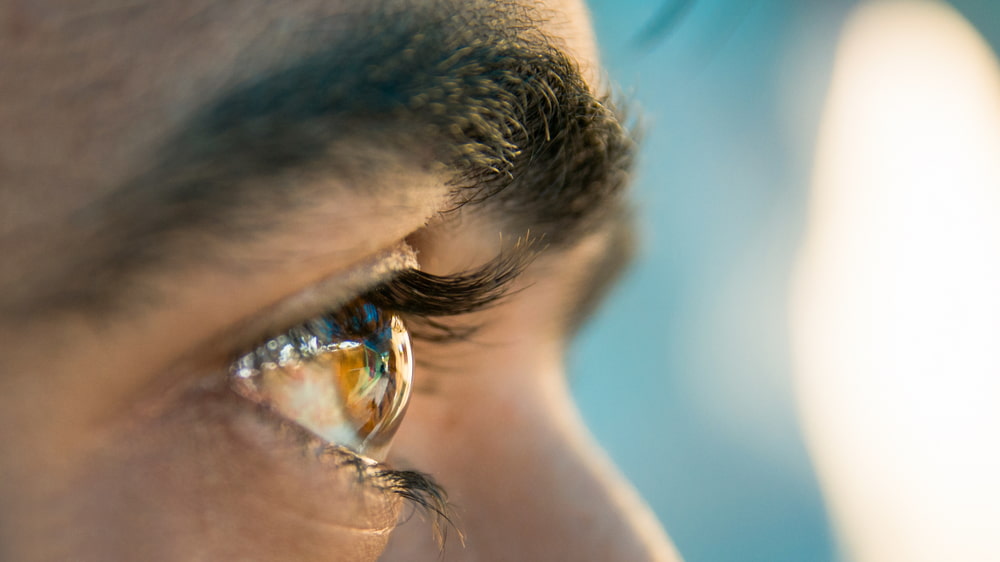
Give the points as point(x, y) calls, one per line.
point(410, 292)
point(328, 294)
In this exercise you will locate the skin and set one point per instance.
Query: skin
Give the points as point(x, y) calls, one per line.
point(121, 438)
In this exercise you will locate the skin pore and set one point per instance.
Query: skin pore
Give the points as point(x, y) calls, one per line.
point(157, 220)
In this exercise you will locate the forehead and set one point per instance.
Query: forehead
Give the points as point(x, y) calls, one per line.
point(91, 90)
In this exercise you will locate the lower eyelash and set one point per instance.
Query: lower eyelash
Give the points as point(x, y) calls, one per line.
point(423, 492)
point(419, 489)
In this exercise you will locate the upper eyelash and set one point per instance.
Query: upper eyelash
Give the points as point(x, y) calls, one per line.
point(416, 292)
point(423, 297)
point(418, 295)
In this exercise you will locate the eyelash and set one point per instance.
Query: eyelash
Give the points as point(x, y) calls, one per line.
point(423, 298)
point(416, 487)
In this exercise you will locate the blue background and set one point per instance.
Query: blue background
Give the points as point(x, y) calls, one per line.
point(684, 374)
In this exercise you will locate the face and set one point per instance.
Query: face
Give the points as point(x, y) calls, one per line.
point(185, 184)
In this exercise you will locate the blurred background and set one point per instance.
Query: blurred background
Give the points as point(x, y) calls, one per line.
point(685, 375)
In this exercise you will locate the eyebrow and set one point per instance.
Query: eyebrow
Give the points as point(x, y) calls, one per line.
point(497, 104)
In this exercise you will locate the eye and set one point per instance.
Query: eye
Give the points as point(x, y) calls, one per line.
point(344, 376)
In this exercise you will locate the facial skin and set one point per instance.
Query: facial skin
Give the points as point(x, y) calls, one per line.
point(182, 179)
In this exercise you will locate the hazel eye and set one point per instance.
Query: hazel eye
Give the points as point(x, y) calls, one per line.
point(344, 376)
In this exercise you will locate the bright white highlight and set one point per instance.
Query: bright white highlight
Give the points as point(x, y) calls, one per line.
point(896, 310)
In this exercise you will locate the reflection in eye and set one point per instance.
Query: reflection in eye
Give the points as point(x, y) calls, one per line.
point(344, 376)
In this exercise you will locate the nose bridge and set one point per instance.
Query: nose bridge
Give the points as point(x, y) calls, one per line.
point(583, 506)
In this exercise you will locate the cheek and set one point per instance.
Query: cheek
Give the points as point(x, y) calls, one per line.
point(214, 479)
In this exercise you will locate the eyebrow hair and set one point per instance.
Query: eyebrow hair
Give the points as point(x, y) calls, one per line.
point(498, 104)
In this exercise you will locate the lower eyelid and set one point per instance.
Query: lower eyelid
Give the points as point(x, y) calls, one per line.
point(417, 488)
point(210, 457)
point(257, 427)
